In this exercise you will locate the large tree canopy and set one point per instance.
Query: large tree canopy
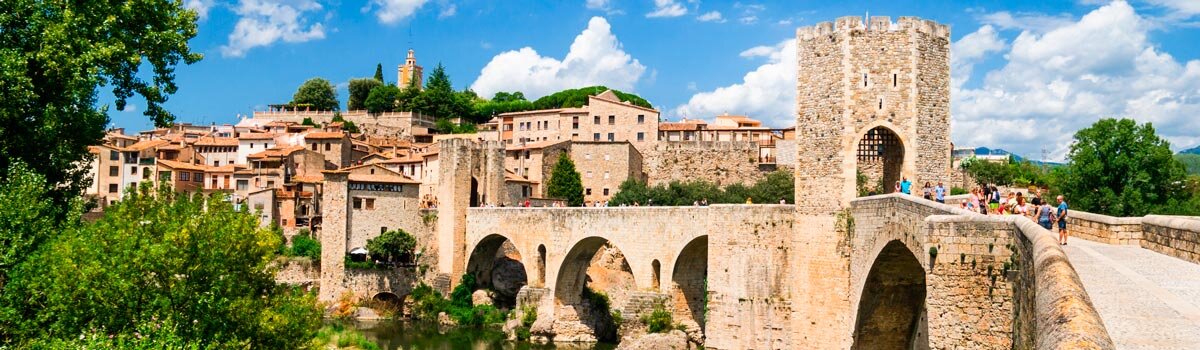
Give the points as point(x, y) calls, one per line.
point(1121, 168)
point(54, 57)
point(190, 263)
point(317, 93)
point(579, 97)
point(382, 99)
point(360, 90)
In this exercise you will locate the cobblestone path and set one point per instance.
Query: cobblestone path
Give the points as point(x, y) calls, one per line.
point(1147, 300)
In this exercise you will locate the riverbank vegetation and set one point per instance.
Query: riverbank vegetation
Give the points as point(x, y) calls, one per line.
point(769, 190)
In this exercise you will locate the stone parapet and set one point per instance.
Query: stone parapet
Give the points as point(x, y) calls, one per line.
point(875, 24)
point(1104, 228)
point(1177, 236)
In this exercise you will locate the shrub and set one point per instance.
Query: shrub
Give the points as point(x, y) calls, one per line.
point(954, 191)
point(659, 320)
point(392, 246)
point(305, 246)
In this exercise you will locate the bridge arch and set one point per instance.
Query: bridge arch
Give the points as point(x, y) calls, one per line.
point(573, 287)
point(882, 158)
point(689, 278)
point(497, 265)
point(891, 308)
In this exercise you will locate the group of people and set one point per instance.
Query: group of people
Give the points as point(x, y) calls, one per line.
point(988, 200)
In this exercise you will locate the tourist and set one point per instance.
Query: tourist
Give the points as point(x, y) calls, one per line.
point(994, 201)
point(987, 192)
point(940, 193)
point(748, 201)
point(695, 203)
point(527, 203)
point(928, 191)
point(1062, 220)
point(782, 201)
point(704, 202)
point(906, 186)
point(1021, 208)
point(897, 189)
point(973, 201)
point(1045, 216)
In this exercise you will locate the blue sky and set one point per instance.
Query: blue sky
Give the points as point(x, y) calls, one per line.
point(1026, 74)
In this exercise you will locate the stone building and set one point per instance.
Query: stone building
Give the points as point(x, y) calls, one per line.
point(409, 72)
point(604, 118)
point(105, 171)
point(334, 145)
point(603, 166)
point(183, 176)
point(217, 151)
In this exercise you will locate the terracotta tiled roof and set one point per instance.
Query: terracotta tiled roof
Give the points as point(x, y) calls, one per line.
point(681, 126)
point(275, 152)
point(228, 168)
point(401, 160)
point(182, 166)
point(307, 179)
point(257, 136)
point(510, 176)
point(375, 173)
point(216, 141)
point(147, 144)
point(324, 135)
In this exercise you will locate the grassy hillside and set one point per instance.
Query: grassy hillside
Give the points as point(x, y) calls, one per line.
point(1190, 161)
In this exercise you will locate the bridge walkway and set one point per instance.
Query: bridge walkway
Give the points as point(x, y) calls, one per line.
point(1147, 300)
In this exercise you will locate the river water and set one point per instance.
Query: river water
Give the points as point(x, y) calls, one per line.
point(409, 335)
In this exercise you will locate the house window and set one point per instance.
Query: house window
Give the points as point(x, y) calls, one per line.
point(610, 137)
point(612, 120)
point(596, 137)
point(133, 170)
point(574, 122)
point(606, 178)
point(112, 188)
point(587, 191)
point(314, 146)
point(641, 118)
point(185, 176)
point(641, 136)
point(597, 120)
point(358, 203)
point(605, 191)
point(271, 184)
point(526, 154)
point(589, 174)
point(369, 203)
point(216, 163)
point(243, 185)
point(198, 177)
point(864, 79)
point(113, 155)
point(382, 229)
point(607, 157)
point(327, 147)
point(113, 171)
point(574, 136)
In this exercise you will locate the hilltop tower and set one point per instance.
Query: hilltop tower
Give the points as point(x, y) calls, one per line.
point(409, 72)
point(872, 99)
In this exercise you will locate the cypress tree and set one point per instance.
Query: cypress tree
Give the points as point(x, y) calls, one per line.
point(565, 182)
point(379, 72)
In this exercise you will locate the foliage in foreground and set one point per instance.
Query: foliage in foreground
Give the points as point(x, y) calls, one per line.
point(775, 186)
point(428, 303)
point(190, 264)
point(393, 246)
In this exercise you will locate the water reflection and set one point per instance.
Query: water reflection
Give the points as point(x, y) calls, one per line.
point(391, 335)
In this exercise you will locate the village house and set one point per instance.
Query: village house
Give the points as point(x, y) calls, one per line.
point(605, 118)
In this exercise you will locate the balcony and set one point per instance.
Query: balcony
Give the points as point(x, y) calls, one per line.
point(146, 161)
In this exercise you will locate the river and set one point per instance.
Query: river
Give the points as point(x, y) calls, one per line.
point(396, 334)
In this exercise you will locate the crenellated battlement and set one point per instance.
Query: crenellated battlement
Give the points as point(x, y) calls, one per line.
point(874, 24)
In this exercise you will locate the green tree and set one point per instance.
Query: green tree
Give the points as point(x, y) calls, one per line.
point(565, 182)
point(1191, 162)
point(308, 121)
point(27, 219)
point(579, 97)
point(157, 255)
point(54, 58)
point(379, 73)
point(1121, 168)
point(502, 96)
point(317, 93)
point(406, 99)
point(382, 99)
point(360, 90)
point(439, 98)
point(393, 246)
point(346, 124)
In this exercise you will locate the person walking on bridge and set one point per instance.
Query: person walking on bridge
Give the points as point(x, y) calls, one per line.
point(1062, 220)
point(940, 193)
point(906, 186)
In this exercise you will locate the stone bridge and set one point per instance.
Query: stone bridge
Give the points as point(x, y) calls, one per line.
point(911, 274)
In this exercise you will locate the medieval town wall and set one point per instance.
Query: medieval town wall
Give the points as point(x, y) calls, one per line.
point(720, 162)
point(388, 123)
point(1177, 236)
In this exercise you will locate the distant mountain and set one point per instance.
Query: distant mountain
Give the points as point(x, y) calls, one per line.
point(1001, 152)
point(1193, 150)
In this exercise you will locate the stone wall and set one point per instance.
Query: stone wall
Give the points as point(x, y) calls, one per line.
point(1103, 228)
point(723, 163)
point(298, 271)
point(1177, 236)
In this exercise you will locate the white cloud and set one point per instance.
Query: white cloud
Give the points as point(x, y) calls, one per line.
point(768, 93)
point(263, 22)
point(969, 50)
point(1179, 8)
point(713, 16)
point(667, 8)
point(1065, 79)
point(602, 5)
point(595, 58)
point(448, 11)
point(200, 6)
point(1035, 22)
point(392, 11)
point(748, 19)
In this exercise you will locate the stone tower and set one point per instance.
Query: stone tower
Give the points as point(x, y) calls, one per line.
point(409, 72)
point(873, 98)
point(470, 174)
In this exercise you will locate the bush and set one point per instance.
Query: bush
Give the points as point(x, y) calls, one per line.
point(305, 246)
point(427, 303)
point(659, 320)
point(954, 191)
point(392, 246)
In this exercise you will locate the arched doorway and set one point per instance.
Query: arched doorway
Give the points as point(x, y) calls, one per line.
point(593, 281)
point(689, 288)
point(474, 201)
point(880, 157)
point(891, 311)
point(541, 265)
point(497, 266)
